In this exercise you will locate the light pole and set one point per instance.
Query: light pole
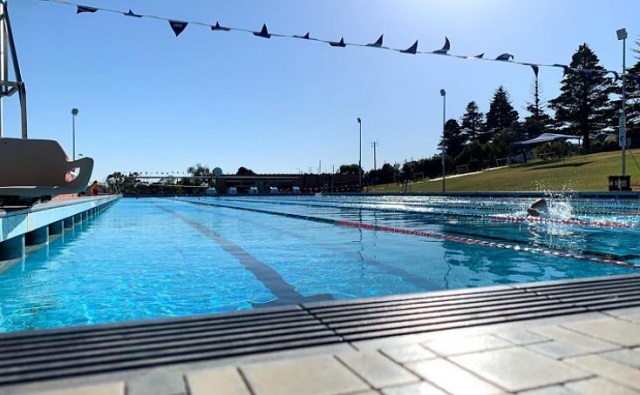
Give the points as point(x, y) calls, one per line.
point(360, 160)
point(374, 144)
point(443, 93)
point(622, 35)
point(74, 113)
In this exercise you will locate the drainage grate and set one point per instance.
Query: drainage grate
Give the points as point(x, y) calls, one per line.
point(60, 353)
point(50, 354)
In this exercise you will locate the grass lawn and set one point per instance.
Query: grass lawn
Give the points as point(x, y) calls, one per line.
point(576, 173)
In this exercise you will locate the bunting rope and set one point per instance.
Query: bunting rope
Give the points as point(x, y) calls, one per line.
point(178, 26)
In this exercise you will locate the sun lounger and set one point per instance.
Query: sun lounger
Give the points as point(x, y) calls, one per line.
point(31, 170)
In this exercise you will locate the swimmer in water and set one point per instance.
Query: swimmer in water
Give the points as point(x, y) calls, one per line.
point(539, 209)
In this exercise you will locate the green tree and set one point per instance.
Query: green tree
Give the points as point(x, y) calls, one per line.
point(583, 105)
point(116, 181)
point(501, 113)
point(452, 138)
point(632, 102)
point(472, 122)
point(349, 169)
point(538, 121)
point(200, 171)
point(385, 175)
point(243, 171)
point(632, 108)
point(474, 155)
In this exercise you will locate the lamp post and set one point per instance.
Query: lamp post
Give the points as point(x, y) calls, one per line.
point(360, 159)
point(374, 144)
point(443, 93)
point(622, 35)
point(74, 113)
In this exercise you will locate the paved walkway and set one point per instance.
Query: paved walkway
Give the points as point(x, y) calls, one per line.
point(590, 353)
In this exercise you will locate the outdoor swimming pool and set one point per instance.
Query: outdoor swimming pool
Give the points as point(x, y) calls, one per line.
point(154, 257)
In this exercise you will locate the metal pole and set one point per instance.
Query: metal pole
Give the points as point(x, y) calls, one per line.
point(22, 92)
point(444, 115)
point(74, 112)
point(3, 61)
point(360, 160)
point(374, 144)
point(73, 122)
point(623, 115)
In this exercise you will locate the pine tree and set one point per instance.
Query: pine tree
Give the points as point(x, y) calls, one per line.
point(501, 113)
point(632, 101)
point(472, 123)
point(583, 105)
point(453, 139)
point(633, 105)
point(538, 121)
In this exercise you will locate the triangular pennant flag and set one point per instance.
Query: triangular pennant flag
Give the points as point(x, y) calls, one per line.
point(306, 36)
point(588, 75)
point(218, 27)
point(130, 13)
point(264, 33)
point(565, 69)
point(83, 8)
point(445, 48)
point(505, 57)
point(378, 42)
point(535, 69)
point(476, 57)
point(338, 44)
point(412, 49)
point(178, 26)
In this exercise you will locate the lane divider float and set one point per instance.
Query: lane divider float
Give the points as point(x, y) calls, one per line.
point(456, 239)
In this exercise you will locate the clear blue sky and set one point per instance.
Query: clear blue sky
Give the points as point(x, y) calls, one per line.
point(151, 102)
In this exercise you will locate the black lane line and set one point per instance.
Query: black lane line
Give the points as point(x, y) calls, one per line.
point(284, 291)
point(413, 279)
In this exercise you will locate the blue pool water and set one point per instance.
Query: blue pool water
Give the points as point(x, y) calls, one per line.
point(149, 258)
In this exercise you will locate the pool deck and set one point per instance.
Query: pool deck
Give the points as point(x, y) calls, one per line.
point(24, 228)
point(564, 337)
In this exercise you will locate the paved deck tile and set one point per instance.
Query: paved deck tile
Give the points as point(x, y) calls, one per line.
point(452, 378)
point(378, 370)
point(157, 382)
point(603, 367)
point(552, 390)
point(559, 349)
point(599, 386)
point(585, 342)
point(518, 369)
point(311, 375)
point(226, 380)
point(408, 353)
point(609, 329)
point(468, 344)
point(521, 337)
point(99, 389)
point(627, 311)
point(422, 388)
point(630, 357)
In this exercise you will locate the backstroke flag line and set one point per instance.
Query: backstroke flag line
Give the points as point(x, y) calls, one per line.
point(179, 26)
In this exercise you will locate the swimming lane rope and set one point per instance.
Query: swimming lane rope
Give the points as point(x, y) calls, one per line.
point(493, 217)
point(455, 239)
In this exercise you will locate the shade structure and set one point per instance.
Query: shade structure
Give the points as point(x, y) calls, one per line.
point(544, 138)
